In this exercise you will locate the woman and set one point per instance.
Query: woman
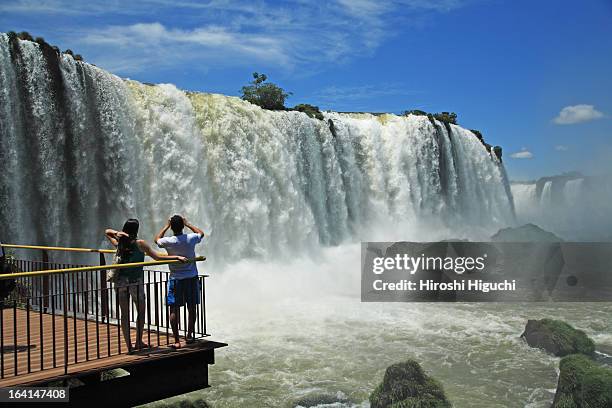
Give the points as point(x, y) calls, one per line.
point(130, 281)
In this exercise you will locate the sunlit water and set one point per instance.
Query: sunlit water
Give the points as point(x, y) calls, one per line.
point(299, 328)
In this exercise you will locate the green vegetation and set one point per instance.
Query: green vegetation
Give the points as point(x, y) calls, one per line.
point(446, 117)
point(583, 383)
point(558, 338)
point(405, 385)
point(311, 110)
point(416, 112)
point(268, 95)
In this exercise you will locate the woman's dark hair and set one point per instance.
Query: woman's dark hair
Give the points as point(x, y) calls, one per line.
point(131, 227)
point(126, 245)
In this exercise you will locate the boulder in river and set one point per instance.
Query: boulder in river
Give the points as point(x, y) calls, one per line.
point(525, 233)
point(583, 383)
point(406, 385)
point(315, 400)
point(557, 337)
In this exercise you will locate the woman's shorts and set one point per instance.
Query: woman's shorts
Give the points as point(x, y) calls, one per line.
point(135, 289)
point(183, 291)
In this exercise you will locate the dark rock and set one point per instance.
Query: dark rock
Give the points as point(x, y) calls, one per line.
point(525, 233)
point(557, 337)
point(497, 150)
point(406, 385)
point(313, 400)
point(583, 383)
point(332, 128)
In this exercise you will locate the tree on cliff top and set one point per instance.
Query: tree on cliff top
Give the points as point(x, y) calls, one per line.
point(268, 95)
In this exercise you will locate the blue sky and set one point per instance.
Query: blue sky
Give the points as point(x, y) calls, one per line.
point(533, 76)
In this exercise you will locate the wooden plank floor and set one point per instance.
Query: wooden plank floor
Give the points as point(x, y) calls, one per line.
point(95, 345)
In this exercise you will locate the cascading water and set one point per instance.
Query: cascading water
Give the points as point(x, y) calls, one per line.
point(83, 149)
point(573, 206)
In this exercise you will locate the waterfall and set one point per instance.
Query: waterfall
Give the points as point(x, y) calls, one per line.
point(83, 149)
point(572, 206)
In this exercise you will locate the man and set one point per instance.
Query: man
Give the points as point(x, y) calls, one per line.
point(183, 286)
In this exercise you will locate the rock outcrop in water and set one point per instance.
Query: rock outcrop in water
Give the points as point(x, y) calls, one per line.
point(525, 233)
point(315, 400)
point(583, 384)
point(557, 337)
point(406, 385)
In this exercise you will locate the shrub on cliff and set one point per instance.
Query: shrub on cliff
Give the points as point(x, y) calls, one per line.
point(311, 110)
point(415, 112)
point(446, 117)
point(583, 383)
point(406, 385)
point(268, 95)
point(24, 35)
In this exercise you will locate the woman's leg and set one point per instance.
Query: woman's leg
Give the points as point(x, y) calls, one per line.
point(124, 306)
point(140, 300)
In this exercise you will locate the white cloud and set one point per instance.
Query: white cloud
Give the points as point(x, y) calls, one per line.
point(128, 37)
point(576, 114)
point(561, 148)
point(523, 154)
point(340, 96)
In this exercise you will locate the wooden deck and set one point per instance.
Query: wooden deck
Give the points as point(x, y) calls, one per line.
point(92, 347)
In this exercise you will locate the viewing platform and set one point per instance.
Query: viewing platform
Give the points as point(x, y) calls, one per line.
point(61, 326)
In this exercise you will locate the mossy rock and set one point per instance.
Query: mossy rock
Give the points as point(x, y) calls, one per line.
point(557, 337)
point(583, 383)
point(405, 385)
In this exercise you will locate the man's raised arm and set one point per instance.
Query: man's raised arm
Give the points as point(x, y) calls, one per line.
point(193, 228)
point(162, 232)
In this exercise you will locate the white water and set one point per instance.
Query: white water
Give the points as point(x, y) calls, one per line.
point(575, 208)
point(91, 149)
point(286, 203)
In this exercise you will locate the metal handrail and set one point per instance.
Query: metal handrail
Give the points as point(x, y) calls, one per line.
point(97, 268)
point(53, 248)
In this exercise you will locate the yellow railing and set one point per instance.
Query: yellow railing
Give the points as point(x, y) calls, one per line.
point(97, 268)
point(52, 248)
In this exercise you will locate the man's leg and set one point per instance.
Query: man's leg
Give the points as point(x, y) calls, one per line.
point(191, 307)
point(174, 316)
point(174, 310)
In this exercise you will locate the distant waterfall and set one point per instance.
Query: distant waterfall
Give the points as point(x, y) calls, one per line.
point(83, 149)
point(573, 206)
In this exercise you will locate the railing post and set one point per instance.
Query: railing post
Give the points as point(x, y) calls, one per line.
point(103, 292)
point(45, 281)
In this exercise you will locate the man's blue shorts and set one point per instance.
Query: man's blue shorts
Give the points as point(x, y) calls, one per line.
point(183, 291)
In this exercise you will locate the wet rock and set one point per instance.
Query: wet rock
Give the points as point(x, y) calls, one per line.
point(406, 385)
point(557, 337)
point(315, 400)
point(583, 383)
point(525, 233)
